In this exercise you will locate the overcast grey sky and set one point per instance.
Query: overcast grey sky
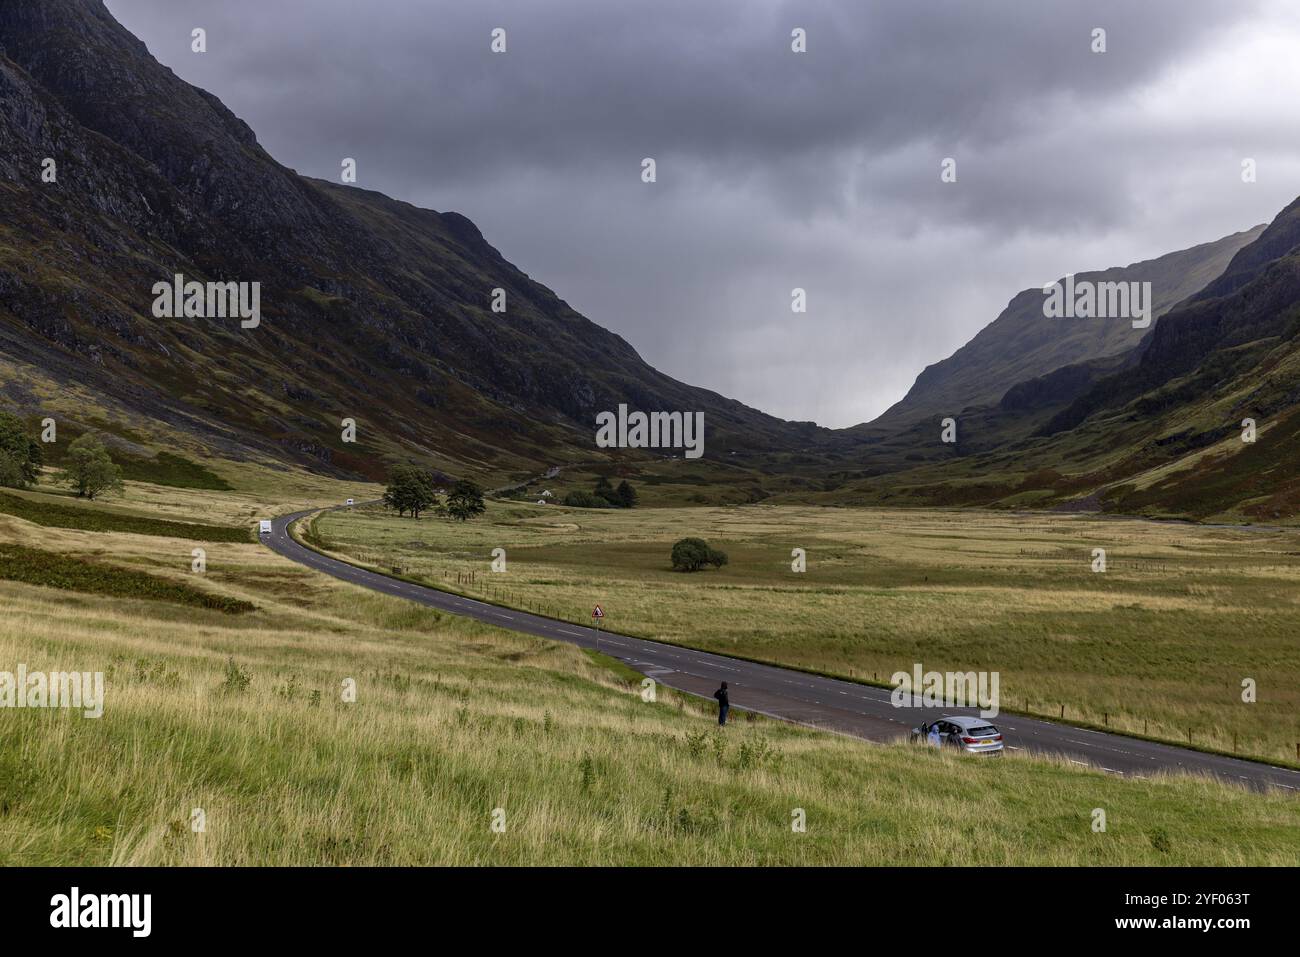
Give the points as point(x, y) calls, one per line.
point(775, 169)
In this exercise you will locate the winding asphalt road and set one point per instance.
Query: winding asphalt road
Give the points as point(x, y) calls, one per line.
point(825, 703)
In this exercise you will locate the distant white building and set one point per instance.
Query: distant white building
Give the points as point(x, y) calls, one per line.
point(547, 494)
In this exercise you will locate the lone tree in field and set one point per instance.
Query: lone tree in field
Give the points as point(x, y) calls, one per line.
point(90, 469)
point(410, 489)
point(626, 494)
point(692, 554)
point(605, 492)
point(465, 501)
point(20, 456)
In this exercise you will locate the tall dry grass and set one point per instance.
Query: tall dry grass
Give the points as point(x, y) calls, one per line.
point(453, 721)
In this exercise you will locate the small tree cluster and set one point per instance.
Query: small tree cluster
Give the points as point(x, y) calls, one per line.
point(604, 495)
point(692, 554)
point(410, 489)
point(415, 490)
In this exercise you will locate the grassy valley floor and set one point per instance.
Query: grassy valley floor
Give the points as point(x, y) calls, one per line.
point(238, 719)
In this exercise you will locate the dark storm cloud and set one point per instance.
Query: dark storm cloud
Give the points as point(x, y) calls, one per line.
point(776, 170)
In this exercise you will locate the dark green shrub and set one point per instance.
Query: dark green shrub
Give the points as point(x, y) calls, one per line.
point(690, 554)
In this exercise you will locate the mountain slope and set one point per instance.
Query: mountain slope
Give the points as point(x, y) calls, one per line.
point(1163, 431)
point(1021, 344)
point(371, 309)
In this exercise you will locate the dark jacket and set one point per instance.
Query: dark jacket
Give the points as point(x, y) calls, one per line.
point(721, 695)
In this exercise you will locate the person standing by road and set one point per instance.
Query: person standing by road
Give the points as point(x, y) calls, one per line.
point(724, 703)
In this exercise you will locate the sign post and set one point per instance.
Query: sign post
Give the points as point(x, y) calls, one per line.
point(596, 615)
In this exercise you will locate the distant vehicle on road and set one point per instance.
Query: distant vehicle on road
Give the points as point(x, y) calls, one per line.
point(264, 528)
point(350, 502)
point(973, 734)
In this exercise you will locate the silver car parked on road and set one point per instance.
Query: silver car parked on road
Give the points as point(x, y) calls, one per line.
point(973, 734)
